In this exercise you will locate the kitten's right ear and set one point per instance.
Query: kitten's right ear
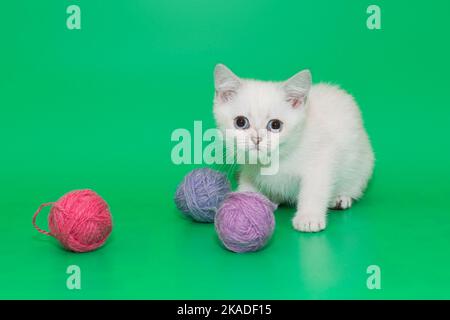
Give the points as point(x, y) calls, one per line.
point(297, 88)
point(226, 83)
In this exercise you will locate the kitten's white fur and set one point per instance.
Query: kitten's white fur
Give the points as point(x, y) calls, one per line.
point(326, 158)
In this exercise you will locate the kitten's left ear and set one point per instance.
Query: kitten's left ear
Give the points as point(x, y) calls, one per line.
point(297, 88)
point(226, 83)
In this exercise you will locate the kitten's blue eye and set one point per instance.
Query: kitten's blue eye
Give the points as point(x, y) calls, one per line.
point(241, 122)
point(274, 125)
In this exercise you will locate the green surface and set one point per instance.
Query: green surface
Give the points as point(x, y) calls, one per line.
point(95, 108)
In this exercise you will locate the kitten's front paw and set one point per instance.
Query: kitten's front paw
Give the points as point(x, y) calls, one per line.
point(246, 187)
point(309, 223)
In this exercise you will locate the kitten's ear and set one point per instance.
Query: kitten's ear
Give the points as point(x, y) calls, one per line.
point(226, 83)
point(297, 88)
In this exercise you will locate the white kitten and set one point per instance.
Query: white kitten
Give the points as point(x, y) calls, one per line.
point(325, 157)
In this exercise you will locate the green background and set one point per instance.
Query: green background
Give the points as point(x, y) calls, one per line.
point(95, 108)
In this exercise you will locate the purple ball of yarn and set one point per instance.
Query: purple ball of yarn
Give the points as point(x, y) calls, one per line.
point(201, 193)
point(245, 221)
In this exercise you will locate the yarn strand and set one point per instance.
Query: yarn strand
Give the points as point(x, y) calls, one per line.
point(35, 216)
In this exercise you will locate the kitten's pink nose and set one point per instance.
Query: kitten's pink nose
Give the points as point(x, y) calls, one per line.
point(256, 140)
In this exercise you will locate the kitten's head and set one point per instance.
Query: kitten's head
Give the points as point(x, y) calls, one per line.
point(259, 116)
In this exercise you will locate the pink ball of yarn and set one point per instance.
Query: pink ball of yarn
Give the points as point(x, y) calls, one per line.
point(80, 220)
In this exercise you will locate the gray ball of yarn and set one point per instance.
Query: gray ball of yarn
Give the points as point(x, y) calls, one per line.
point(200, 194)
